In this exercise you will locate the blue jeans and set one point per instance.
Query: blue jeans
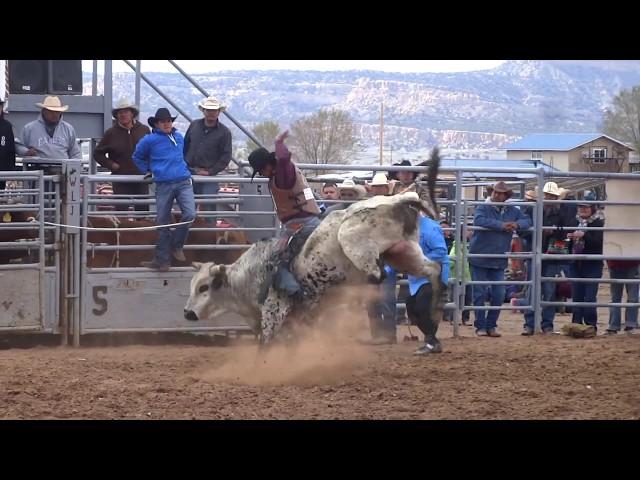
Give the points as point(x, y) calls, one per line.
point(287, 250)
point(586, 292)
point(548, 295)
point(209, 188)
point(487, 320)
point(630, 314)
point(382, 313)
point(166, 193)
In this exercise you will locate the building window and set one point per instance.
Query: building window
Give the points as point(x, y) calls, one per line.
point(536, 155)
point(599, 155)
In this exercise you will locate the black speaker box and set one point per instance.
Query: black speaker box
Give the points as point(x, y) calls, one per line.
point(65, 77)
point(28, 76)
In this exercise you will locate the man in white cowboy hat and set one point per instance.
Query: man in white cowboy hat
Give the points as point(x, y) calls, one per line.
point(553, 242)
point(349, 192)
point(163, 152)
point(379, 185)
point(207, 148)
point(116, 149)
point(7, 144)
point(49, 136)
point(499, 221)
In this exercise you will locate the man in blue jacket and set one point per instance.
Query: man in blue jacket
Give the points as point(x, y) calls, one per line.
point(162, 152)
point(500, 221)
point(434, 247)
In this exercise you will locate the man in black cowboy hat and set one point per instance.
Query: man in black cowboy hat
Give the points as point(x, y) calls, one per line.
point(116, 148)
point(405, 181)
point(295, 204)
point(162, 151)
point(7, 144)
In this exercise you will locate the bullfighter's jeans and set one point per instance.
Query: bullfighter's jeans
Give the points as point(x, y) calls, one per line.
point(382, 311)
point(166, 193)
point(630, 314)
point(487, 320)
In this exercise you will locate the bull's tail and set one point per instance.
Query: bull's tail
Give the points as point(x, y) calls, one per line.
point(432, 175)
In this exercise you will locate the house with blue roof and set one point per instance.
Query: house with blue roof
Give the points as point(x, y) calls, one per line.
point(573, 152)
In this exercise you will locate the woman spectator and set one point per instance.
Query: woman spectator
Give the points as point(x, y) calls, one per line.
point(586, 242)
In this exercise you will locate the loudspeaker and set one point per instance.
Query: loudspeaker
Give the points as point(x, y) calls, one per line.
point(28, 76)
point(65, 77)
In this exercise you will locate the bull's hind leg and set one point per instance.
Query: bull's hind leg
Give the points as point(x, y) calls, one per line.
point(275, 310)
point(407, 257)
point(362, 251)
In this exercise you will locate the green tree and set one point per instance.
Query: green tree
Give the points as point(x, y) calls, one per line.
point(266, 133)
point(327, 136)
point(622, 119)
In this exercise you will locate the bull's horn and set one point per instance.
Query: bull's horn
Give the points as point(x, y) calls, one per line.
point(196, 265)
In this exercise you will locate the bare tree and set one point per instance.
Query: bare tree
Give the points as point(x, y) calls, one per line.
point(324, 137)
point(266, 133)
point(622, 119)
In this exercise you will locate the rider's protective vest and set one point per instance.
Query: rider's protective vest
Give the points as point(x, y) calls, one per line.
point(292, 202)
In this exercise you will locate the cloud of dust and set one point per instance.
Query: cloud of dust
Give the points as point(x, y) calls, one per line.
point(326, 353)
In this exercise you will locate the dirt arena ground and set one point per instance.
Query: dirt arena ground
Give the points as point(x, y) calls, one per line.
point(512, 377)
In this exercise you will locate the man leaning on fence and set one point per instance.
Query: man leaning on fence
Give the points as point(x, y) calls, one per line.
point(207, 149)
point(49, 136)
point(500, 221)
point(116, 148)
point(162, 151)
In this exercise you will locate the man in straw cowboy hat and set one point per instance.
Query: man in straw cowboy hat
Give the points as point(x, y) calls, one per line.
point(207, 148)
point(116, 149)
point(49, 136)
point(163, 152)
point(379, 185)
point(348, 191)
point(296, 208)
point(553, 241)
point(499, 221)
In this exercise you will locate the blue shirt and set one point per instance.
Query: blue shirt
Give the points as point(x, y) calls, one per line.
point(162, 154)
point(431, 240)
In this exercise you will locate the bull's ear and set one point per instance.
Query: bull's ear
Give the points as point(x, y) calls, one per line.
point(196, 265)
point(219, 277)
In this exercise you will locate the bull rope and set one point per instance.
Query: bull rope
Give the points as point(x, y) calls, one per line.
point(106, 229)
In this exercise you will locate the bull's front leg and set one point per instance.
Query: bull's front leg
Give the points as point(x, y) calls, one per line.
point(274, 311)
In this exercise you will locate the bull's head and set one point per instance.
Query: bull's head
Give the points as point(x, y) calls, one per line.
point(206, 298)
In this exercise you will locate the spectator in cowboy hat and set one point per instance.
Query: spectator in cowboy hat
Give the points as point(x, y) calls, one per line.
point(163, 152)
point(379, 185)
point(116, 148)
point(499, 222)
point(348, 191)
point(49, 136)
point(207, 148)
point(403, 181)
point(7, 144)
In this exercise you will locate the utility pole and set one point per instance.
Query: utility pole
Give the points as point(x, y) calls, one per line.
point(381, 129)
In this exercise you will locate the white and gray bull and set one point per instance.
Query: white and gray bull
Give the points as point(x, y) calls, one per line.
point(348, 246)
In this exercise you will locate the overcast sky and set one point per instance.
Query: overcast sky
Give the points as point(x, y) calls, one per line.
point(403, 66)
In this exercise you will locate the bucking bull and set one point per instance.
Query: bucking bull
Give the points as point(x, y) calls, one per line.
point(348, 247)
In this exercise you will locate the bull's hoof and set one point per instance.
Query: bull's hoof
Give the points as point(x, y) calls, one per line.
point(372, 279)
point(191, 315)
